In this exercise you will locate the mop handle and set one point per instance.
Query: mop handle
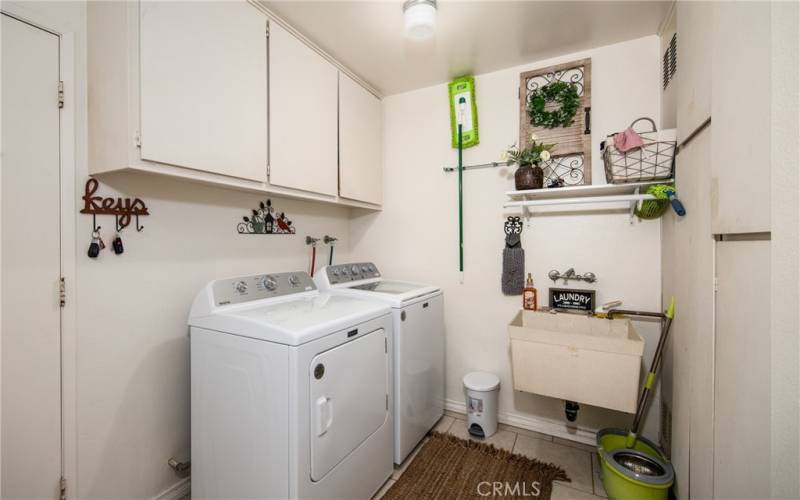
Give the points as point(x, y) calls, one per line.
point(462, 102)
point(654, 366)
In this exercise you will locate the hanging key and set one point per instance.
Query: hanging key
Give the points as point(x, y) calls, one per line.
point(96, 245)
point(116, 244)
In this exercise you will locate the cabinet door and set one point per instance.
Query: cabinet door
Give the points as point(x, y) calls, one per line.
point(740, 105)
point(742, 370)
point(693, 76)
point(203, 86)
point(303, 101)
point(360, 159)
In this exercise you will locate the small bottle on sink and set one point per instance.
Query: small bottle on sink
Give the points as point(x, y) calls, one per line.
point(530, 301)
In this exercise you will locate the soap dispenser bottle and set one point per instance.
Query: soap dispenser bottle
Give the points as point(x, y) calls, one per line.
point(530, 301)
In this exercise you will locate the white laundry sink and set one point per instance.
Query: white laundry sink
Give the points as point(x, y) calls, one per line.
point(577, 358)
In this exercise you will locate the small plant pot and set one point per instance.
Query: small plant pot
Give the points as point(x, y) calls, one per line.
point(529, 177)
point(258, 227)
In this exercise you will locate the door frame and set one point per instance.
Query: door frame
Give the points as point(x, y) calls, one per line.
point(69, 150)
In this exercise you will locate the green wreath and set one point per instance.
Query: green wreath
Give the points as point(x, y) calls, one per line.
point(563, 93)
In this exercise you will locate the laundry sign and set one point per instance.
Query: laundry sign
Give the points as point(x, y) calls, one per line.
point(572, 300)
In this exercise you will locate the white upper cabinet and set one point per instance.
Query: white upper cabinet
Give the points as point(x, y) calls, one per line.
point(204, 87)
point(360, 137)
point(740, 106)
point(215, 92)
point(303, 116)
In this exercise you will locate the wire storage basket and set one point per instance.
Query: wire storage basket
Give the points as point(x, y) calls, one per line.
point(654, 161)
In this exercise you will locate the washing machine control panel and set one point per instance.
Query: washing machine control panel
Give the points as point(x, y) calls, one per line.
point(354, 271)
point(261, 286)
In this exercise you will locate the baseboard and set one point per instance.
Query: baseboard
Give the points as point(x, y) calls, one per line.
point(537, 424)
point(177, 491)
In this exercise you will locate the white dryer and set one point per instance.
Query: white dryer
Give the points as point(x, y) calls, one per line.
point(419, 358)
point(291, 391)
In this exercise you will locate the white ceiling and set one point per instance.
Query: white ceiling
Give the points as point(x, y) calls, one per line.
point(472, 37)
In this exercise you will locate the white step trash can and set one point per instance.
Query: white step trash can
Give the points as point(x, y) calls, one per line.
point(481, 390)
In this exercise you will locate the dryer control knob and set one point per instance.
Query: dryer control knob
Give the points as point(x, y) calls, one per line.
point(354, 269)
point(241, 287)
point(364, 269)
point(270, 283)
point(294, 280)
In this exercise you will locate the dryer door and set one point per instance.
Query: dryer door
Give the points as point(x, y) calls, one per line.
point(349, 399)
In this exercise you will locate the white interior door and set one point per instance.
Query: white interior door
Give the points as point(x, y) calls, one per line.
point(349, 399)
point(204, 86)
point(30, 232)
point(360, 158)
point(303, 116)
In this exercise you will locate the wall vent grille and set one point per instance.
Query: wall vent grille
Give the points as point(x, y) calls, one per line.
point(670, 61)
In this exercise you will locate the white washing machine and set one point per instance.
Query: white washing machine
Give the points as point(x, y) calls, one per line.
point(418, 319)
point(291, 391)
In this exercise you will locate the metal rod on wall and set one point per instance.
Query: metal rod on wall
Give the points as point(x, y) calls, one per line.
point(694, 134)
point(493, 164)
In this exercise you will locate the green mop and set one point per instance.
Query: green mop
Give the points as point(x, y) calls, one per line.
point(633, 466)
point(464, 128)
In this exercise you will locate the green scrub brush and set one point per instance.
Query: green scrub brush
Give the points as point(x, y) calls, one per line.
point(665, 196)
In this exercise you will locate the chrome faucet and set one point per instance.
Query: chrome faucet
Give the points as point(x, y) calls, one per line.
point(569, 274)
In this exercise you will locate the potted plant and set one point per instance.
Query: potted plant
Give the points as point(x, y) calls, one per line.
point(529, 174)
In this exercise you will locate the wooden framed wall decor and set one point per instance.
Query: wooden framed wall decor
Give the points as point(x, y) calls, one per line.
point(572, 157)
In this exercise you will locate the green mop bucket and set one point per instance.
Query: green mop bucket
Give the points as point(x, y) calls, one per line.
point(638, 473)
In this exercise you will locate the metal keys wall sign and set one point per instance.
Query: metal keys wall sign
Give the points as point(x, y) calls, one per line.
point(572, 300)
point(265, 220)
point(123, 210)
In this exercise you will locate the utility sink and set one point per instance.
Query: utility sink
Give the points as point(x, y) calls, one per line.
point(577, 358)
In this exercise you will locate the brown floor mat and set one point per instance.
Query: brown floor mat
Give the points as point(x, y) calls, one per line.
point(451, 468)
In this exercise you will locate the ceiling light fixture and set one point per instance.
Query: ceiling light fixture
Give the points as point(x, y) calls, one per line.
point(420, 18)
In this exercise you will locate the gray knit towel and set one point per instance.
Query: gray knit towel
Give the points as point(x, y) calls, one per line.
point(513, 278)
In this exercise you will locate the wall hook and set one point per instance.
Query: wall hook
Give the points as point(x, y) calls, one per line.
point(117, 224)
point(138, 227)
point(95, 227)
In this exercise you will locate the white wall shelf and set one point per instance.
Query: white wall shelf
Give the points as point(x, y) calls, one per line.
point(581, 195)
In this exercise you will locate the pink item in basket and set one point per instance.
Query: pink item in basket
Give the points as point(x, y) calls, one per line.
point(627, 140)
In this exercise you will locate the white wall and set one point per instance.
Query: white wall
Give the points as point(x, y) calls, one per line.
point(133, 366)
point(416, 237)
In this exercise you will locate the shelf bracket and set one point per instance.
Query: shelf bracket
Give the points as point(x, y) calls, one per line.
point(632, 212)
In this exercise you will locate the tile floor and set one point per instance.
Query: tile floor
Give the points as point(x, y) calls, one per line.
point(578, 459)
